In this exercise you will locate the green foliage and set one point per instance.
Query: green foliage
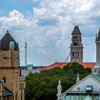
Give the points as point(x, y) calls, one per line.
point(43, 86)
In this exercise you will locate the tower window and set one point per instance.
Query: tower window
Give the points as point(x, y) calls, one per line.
point(75, 43)
point(73, 54)
point(75, 37)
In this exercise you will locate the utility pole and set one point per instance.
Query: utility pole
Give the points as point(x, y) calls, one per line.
point(25, 52)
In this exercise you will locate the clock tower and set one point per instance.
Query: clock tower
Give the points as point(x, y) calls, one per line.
point(10, 69)
point(9, 52)
point(76, 47)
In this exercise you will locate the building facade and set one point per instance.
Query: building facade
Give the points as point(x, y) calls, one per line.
point(76, 47)
point(10, 79)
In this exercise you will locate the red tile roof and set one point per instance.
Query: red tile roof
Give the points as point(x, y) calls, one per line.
point(62, 64)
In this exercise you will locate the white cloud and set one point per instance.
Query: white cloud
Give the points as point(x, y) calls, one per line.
point(51, 24)
point(39, 12)
point(87, 5)
point(16, 14)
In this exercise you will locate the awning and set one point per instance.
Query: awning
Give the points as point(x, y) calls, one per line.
point(7, 92)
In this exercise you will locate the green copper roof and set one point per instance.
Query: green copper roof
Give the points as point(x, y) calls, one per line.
point(17, 43)
point(11, 44)
point(88, 98)
point(29, 67)
point(81, 97)
point(2, 81)
point(96, 76)
point(24, 76)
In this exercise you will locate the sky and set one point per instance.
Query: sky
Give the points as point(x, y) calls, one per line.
point(47, 26)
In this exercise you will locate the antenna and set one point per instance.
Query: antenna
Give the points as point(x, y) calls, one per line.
point(25, 52)
point(67, 57)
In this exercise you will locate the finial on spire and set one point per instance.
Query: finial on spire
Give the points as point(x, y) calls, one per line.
point(7, 32)
point(78, 79)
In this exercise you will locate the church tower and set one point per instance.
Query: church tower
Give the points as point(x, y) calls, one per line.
point(13, 83)
point(96, 68)
point(76, 47)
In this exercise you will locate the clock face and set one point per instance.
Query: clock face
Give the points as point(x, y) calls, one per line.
point(4, 57)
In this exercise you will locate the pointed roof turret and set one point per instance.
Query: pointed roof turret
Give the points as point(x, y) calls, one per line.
point(98, 38)
point(5, 41)
point(76, 30)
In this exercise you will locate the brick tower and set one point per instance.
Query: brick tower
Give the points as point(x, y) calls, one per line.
point(76, 47)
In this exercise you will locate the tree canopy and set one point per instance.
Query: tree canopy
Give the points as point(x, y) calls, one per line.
point(43, 85)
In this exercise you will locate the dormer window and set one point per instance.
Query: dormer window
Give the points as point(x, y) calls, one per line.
point(89, 89)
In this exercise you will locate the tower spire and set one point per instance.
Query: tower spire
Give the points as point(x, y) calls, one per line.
point(98, 39)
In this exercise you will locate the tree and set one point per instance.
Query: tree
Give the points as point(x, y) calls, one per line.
point(43, 86)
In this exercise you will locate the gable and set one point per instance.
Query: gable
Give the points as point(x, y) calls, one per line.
point(87, 82)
